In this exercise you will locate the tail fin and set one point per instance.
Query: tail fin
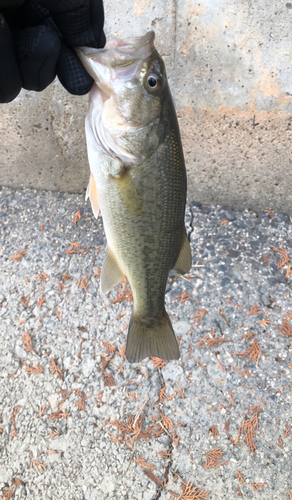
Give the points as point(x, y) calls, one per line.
point(159, 341)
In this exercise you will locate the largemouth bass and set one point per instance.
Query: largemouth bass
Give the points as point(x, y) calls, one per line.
point(138, 182)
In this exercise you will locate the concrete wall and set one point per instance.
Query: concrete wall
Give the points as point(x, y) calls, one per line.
point(229, 66)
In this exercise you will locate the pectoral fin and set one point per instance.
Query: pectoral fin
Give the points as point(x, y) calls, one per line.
point(130, 197)
point(91, 193)
point(111, 274)
point(184, 261)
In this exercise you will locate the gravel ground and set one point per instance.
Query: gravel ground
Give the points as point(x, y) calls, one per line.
point(79, 422)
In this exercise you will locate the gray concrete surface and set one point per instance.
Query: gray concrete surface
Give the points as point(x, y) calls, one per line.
point(110, 421)
point(228, 63)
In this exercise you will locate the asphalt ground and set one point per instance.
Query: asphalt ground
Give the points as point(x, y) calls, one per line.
point(80, 422)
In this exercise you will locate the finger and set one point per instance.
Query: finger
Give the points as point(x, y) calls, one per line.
point(38, 50)
point(72, 73)
point(10, 79)
point(80, 21)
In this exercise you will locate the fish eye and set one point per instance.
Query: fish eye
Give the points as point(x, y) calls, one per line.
point(153, 82)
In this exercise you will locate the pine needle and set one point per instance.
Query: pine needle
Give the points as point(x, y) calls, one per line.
point(77, 217)
point(40, 301)
point(256, 486)
point(13, 415)
point(108, 379)
point(214, 458)
point(17, 482)
point(157, 362)
point(55, 369)
point(198, 317)
point(254, 310)
point(10, 492)
point(39, 466)
point(211, 342)
point(240, 478)
point(41, 277)
point(27, 343)
point(109, 347)
point(143, 464)
point(53, 434)
point(284, 257)
point(285, 328)
point(81, 401)
point(191, 492)
point(58, 414)
point(34, 370)
point(214, 431)
point(19, 255)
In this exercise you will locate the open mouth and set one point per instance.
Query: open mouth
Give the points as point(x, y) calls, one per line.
point(117, 53)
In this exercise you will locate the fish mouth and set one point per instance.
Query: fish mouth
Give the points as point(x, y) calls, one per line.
point(119, 60)
point(118, 52)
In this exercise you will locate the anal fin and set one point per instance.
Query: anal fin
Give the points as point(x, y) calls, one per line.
point(184, 261)
point(91, 193)
point(111, 274)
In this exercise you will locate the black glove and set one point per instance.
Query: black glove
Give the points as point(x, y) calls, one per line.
point(37, 39)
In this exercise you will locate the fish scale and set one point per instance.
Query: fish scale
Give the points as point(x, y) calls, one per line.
point(138, 181)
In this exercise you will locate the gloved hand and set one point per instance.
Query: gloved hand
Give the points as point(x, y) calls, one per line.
point(37, 39)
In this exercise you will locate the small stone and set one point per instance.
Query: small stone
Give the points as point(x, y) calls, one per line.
point(233, 253)
point(225, 282)
point(20, 353)
point(88, 366)
point(171, 371)
point(272, 281)
point(181, 327)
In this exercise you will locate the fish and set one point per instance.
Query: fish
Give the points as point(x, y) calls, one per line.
point(138, 183)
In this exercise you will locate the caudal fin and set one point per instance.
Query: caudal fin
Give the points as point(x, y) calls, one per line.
point(144, 341)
